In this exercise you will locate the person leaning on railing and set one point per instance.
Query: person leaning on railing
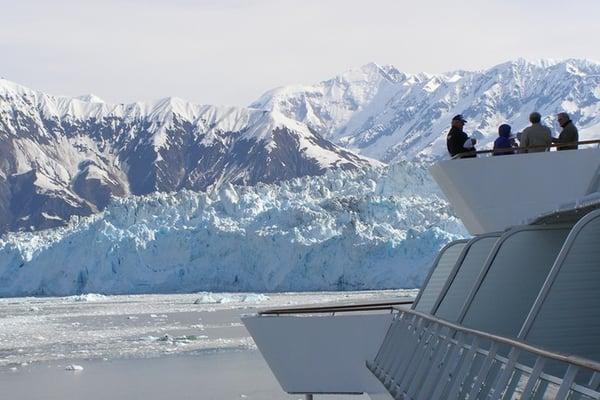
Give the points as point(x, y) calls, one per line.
point(568, 134)
point(504, 144)
point(537, 135)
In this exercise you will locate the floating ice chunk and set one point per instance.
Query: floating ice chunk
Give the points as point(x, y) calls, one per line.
point(255, 298)
point(207, 298)
point(153, 316)
point(74, 367)
point(214, 298)
point(227, 299)
point(87, 297)
point(34, 309)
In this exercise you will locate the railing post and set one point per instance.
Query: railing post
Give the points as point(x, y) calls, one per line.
point(308, 396)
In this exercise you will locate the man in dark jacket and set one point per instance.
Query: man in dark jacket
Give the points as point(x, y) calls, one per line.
point(457, 140)
point(568, 134)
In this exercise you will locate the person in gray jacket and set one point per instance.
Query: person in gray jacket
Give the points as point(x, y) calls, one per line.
point(536, 135)
point(568, 134)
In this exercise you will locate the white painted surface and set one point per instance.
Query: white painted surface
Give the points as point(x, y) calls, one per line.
point(493, 193)
point(321, 353)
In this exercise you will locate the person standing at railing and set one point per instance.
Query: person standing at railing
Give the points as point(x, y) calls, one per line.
point(457, 140)
point(568, 134)
point(537, 135)
point(503, 144)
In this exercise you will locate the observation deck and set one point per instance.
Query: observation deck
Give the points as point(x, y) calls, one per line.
point(490, 194)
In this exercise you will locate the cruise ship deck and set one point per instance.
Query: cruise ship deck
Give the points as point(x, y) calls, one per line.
point(511, 313)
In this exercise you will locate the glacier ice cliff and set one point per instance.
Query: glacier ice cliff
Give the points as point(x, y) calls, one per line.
point(345, 230)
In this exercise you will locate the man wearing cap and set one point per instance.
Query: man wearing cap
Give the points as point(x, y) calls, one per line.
point(457, 140)
point(568, 134)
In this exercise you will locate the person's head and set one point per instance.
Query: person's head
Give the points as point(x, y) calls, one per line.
point(458, 121)
point(535, 117)
point(562, 118)
point(504, 130)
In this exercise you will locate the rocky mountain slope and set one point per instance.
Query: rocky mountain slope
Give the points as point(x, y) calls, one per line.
point(387, 114)
point(64, 156)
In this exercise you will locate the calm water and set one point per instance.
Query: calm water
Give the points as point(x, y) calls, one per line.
point(143, 347)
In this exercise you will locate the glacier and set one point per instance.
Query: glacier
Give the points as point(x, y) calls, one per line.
point(370, 228)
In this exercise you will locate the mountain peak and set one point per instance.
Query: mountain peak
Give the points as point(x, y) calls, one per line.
point(90, 98)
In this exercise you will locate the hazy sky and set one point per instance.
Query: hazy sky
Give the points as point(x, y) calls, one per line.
point(231, 51)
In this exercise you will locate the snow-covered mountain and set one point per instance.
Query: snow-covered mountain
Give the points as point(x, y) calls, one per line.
point(64, 156)
point(391, 115)
point(343, 230)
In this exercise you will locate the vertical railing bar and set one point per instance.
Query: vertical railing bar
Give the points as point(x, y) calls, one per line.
point(568, 379)
point(594, 381)
point(422, 362)
point(533, 378)
point(395, 334)
point(464, 369)
point(418, 357)
point(403, 365)
point(512, 384)
point(387, 342)
point(452, 354)
point(505, 375)
point(543, 385)
point(442, 349)
point(484, 370)
point(406, 343)
point(400, 341)
point(426, 363)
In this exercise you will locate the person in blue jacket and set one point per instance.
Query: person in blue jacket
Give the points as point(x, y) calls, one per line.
point(503, 144)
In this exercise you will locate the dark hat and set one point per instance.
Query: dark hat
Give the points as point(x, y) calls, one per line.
point(459, 117)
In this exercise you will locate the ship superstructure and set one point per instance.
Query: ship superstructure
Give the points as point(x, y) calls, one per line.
point(513, 312)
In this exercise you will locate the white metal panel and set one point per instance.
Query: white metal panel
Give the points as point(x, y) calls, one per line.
point(493, 193)
point(467, 272)
point(513, 276)
point(321, 353)
point(565, 316)
point(441, 269)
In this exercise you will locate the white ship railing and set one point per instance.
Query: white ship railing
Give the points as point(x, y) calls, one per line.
point(424, 357)
point(524, 149)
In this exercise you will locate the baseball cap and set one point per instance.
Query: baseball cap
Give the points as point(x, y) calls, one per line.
point(459, 117)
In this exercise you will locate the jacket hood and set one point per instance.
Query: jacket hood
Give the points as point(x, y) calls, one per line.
point(504, 130)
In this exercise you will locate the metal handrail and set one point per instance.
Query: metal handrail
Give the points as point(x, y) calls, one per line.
point(522, 150)
point(570, 359)
point(334, 309)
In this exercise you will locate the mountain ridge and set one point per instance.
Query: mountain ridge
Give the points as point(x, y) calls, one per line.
point(67, 156)
point(64, 156)
point(389, 115)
